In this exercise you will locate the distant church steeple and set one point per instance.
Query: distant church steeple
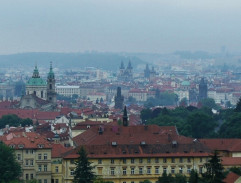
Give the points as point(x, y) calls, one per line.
point(147, 71)
point(203, 90)
point(51, 94)
point(125, 117)
point(119, 99)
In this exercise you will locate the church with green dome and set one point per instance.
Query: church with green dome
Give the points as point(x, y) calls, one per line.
point(40, 94)
point(36, 85)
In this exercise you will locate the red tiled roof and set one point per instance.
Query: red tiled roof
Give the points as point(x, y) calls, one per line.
point(128, 151)
point(83, 125)
point(152, 140)
point(231, 178)
point(151, 134)
point(30, 140)
point(231, 161)
point(58, 150)
point(46, 115)
point(232, 145)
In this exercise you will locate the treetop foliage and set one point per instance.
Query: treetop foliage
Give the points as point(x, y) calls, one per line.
point(84, 171)
point(9, 167)
point(197, 122)
point(14, 120)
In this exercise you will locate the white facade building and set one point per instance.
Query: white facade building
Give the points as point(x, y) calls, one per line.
point(67, 91)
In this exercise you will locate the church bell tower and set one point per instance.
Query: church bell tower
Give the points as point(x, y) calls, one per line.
point(51, 94)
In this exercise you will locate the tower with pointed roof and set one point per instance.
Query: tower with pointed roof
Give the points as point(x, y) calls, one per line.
point(36, 85)
point(129, 70)
point(147, 71)
point(203, 90)
point(119, 99)
point(51, 94)
point(122, 68)
point(125, 117)
point(125, 74)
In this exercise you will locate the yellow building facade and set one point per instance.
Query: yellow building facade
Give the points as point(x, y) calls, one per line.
point(135, 170)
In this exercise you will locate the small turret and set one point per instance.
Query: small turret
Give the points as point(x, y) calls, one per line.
point(36, 72)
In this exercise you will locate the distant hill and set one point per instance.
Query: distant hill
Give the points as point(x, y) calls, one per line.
point(107, 61)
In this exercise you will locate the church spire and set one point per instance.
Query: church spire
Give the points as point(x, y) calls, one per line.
point(129, 65)
point(51, 73)
point(125, 117)
point(122, 65)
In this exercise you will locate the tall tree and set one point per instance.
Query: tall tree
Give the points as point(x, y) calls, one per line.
point(193, 177)
point(9, 167)
point(238, 106)
point(83, 172)
point(214, 173)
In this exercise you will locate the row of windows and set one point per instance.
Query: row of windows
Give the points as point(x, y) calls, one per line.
point(149, 170)
point(45, 168)
point(30, 151)
point(156, 160)
point(45, 155)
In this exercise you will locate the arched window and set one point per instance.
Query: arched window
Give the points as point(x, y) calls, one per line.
point(42, 94)
point(50, 86)
point(34, 92)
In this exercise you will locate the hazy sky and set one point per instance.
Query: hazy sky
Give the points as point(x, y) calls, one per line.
point(119, 25)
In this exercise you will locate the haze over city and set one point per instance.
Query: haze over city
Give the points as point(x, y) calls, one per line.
point(120, 91)
point(154, 26)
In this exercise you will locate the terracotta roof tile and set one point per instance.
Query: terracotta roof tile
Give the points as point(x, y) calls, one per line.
point(30, 140)
point(231, 178)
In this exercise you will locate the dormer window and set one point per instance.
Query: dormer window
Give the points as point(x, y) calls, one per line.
point(20, 146)
point(40, 146)
point(12, 146)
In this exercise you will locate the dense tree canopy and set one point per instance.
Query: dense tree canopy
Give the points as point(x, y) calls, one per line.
point(161, 99)
point(178, 178)
point(209, 102)
point(14, 120)
point(9, 167)
point(193, 122)
point(198, 122)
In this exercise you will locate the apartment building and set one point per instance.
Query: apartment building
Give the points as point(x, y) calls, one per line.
point(131, 154)
point(33, 152)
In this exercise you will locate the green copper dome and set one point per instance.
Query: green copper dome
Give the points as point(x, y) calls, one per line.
point(185, 83)
point(36, 80)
